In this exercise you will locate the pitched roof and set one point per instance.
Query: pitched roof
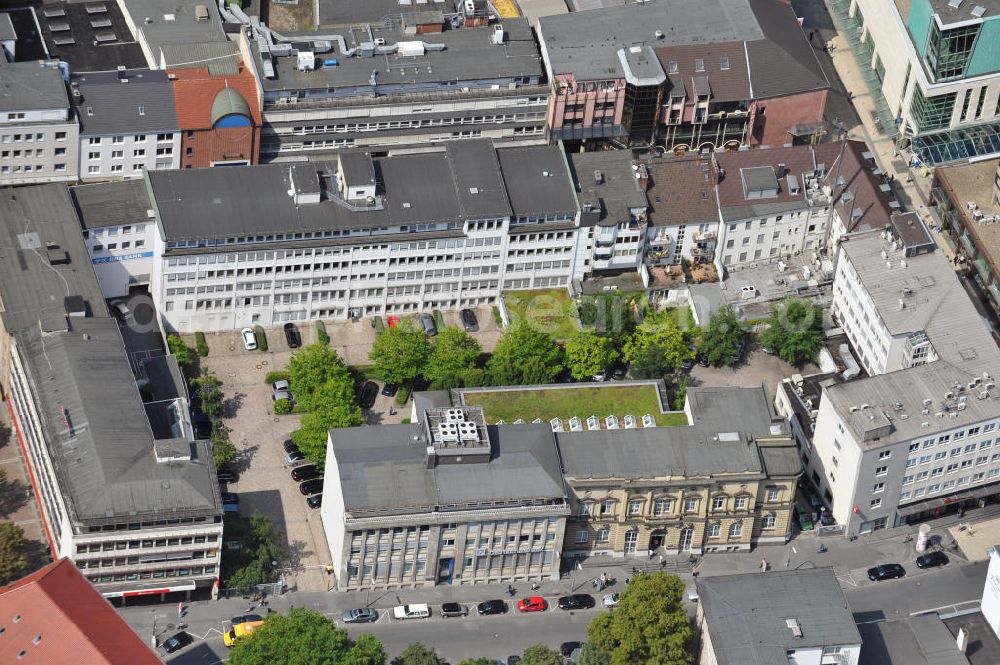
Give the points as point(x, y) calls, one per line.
point(681, 191)
point(139, 100)
point(112, 203)
point(196, 90)
point(729, 84)
point(784, 62)
point(27, 86)
point(58, 618)
point(746, 615)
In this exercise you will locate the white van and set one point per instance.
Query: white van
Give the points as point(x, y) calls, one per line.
point(416, 611)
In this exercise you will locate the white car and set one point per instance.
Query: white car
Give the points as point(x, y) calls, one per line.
point(249, 339)
point(412, 611)
point(611, 600)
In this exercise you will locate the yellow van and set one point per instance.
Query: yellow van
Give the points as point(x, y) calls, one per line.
point(239, 631)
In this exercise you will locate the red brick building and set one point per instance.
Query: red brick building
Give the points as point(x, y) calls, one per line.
point(219, 117)
point(55, 616)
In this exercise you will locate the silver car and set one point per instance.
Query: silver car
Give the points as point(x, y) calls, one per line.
point(359, 615)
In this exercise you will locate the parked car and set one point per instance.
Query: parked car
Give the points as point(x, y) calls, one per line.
point(412, 611)
point(611, 600)
point(513, 660)
point(281, 385)
point(702, 360)
point(292, 336)
point(249, 339)
point(532, 604)
point(290, 446)
point(453, 610)
point(245, 618)
point(600, 376)
point(618, 372)
point(177, 642)
point(225, 475)
point(359, 615)
point(390, 389)
point(489, 607)
point(577, 601)
point(282, 394)
point(367, 395)
point(295, 457)
point(314, 486)
point(230, 502)
point(567, 648)
point(315, 501)
point(427, 323)
point(469, 321)
point(932, 560)
point(886, 571)
point(686, 365)
point(307, 472)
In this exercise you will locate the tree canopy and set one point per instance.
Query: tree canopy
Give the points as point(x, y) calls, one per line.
point(311, 437)
point(304, 637)
point(223, 450)
point(13, 562)
point(539, 654)
point(418, 654)
point(210, 392)
point(795, 331)
point(400, 352)
point(452, 358)
point(182, 353)
point(592, 655)
point(525, 356)
point(317, 367)
point(649, 626)
point(720, 342)
point(254, 564)
point(588, 354)
point(657, 345)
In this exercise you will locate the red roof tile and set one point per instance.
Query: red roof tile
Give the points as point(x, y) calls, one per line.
point(57, 617)
point(195, 90)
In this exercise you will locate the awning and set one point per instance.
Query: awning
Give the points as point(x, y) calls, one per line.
point(941, 501)
point(957, 144)
point(149, 591)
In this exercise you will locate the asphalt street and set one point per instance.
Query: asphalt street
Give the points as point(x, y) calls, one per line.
point(949, 589)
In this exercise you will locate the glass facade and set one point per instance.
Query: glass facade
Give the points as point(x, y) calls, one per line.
point(642, 106)
point(930, 113)
point(957, 144)
point(948, 51)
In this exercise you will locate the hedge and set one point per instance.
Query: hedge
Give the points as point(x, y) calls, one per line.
point(497, 318)
point(379, 325)
point(438, 319)
point(282, 406)
point(201, 344)
point(321, 335)
point(276, 375)
point(402, 395)
point(258, 332)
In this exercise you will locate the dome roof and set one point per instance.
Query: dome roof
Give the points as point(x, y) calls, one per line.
point(228, 102)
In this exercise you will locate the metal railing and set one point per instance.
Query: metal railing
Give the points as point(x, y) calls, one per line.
point(469, 94)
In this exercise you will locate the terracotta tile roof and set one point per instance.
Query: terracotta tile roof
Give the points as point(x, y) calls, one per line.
point(681, 190)
point(56, 617)
point(797, 160)
point(195, 91)
point(731, 84)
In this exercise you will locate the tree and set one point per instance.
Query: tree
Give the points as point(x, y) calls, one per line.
point(256, 561)
point(721, 340)
point(524, 356)
point(453, 353)
point(223, 450)
point(314, 427)
point(588, 354)
point(649, 626)
point(539, 654)
point(795, 331)
point(180, 350)
point(418, 654)
point(304, 637)
point(400, 353)
point(315, 373)
point(210, 392)
point(657, 341)
point(591, 655)
point(13, 562)
point(477, 661)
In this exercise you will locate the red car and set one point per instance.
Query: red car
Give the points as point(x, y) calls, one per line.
point(532, 604)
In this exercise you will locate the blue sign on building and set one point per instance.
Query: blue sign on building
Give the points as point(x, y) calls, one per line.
point(122, 257)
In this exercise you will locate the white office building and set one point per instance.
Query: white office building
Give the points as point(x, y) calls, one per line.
point(918, 436)
point(38, 131)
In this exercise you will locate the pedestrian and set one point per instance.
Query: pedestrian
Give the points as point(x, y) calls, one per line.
point(812, 35)
point(534, 586)
point(763, 565)
point(180, 610)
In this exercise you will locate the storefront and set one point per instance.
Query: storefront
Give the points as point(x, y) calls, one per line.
point(957, 502)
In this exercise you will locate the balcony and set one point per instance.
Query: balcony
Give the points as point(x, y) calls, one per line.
point(704, 236)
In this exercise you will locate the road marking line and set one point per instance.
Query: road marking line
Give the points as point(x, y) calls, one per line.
point(945, 607)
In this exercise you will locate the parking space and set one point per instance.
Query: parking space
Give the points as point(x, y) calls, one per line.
point(756, 368)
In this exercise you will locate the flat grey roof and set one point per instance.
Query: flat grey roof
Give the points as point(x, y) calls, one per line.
point(585, 43)
point(746, 615)
point(71, 37)
point(618, 190)
point(963, 12)
point(382, 468)
point(6, 28)
point(919, 640)
point(468, 56)
point(174, 22)
point(718, 441)
point(419, 188)
point(135, 101)
point(112, 203)
point(28, 86)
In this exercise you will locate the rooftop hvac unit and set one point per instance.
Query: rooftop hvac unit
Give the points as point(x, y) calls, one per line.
point(592, 423)
point(454, 415)
point(470, 8)
point(447, 432)
point(498, 34)
point(984, 394)
point(611, 422)
point(575, 425)
point(467, 431)
point(598, 176)
point(648, 420)
point(630, 422)
point(557, 425)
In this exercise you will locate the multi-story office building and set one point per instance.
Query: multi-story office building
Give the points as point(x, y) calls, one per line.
point(412, 79)
point(966, 198)
point(781, 202)
point(38, 131)
point(446, 500)
point(360, 236)
point(127, 123)
point(917, 436)
point(123, 487)
point(690, 76)
point(723, 483)
point(934, 72)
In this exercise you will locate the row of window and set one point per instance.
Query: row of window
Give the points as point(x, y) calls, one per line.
point(947, 485)
point(125, 244)
point(30, 152)
point(138, 152)
point(31, 168)
point(664, 506)
point(153, 575)
point(136, 138)
point(29, 138)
